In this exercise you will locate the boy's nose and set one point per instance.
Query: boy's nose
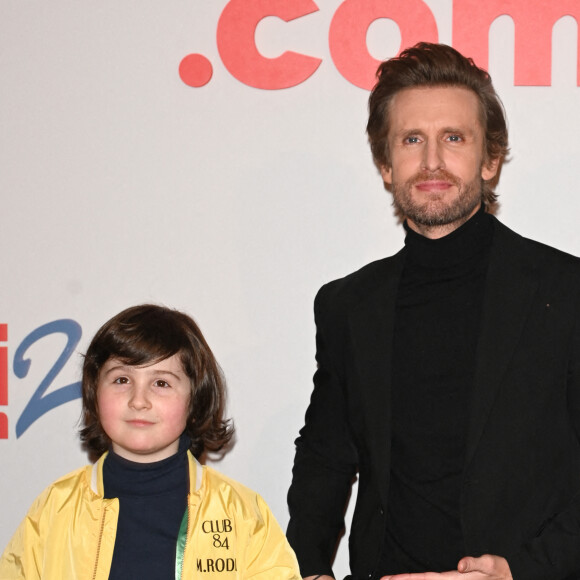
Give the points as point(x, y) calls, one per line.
point(139, 398)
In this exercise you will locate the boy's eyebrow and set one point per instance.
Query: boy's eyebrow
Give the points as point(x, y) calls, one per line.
point(118, 367)
point(122, 367)
point(165, 372)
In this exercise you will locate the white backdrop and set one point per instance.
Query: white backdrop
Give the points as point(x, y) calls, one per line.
point(121, 184)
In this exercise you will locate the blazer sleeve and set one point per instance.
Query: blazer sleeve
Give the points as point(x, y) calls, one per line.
point(326, 458)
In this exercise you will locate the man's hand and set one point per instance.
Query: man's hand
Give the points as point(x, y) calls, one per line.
point(486, 567)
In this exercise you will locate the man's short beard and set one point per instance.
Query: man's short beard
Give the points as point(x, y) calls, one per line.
point(437, 212)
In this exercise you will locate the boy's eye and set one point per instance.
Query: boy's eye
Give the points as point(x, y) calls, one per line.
point(161, 383)
point(121, 380)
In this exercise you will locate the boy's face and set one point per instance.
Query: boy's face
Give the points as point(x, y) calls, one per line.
point(144, 409)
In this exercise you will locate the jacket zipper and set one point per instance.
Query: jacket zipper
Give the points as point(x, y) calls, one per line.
point(182, 538)
point(99, 543)
point(186, 540)
point(187, 537)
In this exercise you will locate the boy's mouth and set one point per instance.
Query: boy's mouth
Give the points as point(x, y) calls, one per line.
point(139, 423)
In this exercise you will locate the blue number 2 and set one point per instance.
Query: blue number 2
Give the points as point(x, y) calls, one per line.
point(39, 404)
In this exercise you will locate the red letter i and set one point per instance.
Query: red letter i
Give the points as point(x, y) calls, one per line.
point(3, 380)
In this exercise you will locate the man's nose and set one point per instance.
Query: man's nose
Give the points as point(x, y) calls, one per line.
point(432, 156)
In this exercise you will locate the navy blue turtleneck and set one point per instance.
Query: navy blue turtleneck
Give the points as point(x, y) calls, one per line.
point(152, 502)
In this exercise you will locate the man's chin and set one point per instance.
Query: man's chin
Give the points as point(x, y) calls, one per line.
point(438, 214)
point(434, 213)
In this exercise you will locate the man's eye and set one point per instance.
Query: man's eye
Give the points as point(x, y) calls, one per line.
point(455, 138)
point(160, 383)
point(412, 140)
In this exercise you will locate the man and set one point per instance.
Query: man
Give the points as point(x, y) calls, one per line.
point(449, 374)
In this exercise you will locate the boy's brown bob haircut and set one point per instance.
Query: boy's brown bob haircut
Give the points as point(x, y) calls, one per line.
point(144, 335)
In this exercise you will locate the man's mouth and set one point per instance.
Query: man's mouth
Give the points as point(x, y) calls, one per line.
point(433, 185)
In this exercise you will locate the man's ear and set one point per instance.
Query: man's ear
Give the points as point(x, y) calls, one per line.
point(387, 174)
point(489, 169)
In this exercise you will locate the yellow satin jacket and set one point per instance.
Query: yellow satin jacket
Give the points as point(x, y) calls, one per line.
point(228, 532)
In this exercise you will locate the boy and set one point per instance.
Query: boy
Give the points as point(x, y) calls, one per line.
point(153, 401)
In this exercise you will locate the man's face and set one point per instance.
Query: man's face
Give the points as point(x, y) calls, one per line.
point(436, 143)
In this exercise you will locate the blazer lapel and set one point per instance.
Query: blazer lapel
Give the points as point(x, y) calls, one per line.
point(510, 287)
point(371, 323)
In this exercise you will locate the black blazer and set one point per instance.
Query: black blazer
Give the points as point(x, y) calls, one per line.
point(521, 486)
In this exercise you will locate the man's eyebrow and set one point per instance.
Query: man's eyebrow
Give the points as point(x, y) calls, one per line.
point(462, 130)
point(402, 133)
point(407, 133)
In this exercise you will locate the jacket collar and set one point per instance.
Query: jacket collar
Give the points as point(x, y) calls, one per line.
point(511, 284)
point(196, 472)
point(372, 323)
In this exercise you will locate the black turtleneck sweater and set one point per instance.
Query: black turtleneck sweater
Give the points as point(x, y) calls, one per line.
point(437, 322)
point(152, 502)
